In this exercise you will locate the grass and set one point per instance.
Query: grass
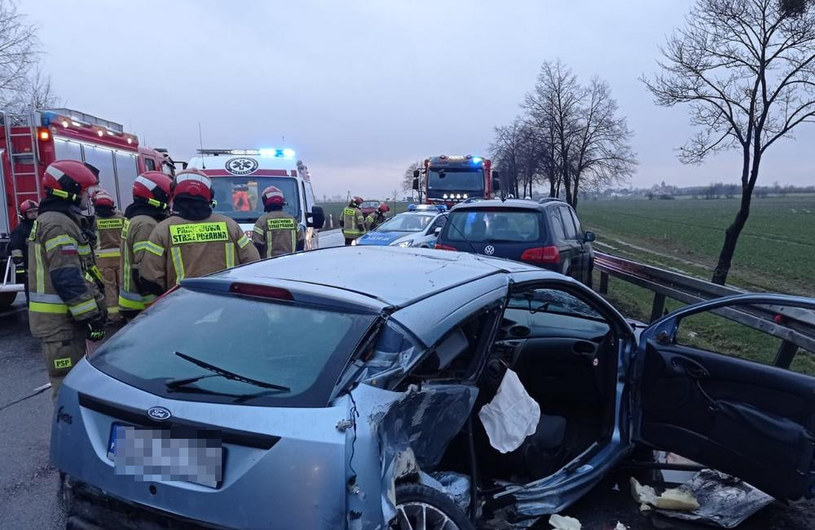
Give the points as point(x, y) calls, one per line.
point(775, 253)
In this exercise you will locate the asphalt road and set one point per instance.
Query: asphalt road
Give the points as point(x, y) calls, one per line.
point(29, 485)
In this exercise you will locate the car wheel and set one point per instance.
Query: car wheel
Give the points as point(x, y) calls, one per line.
point(419, 506)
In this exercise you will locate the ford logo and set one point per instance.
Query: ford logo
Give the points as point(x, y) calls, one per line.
point(159, 413)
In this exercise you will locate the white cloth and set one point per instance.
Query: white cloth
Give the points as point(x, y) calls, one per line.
point(511, 416)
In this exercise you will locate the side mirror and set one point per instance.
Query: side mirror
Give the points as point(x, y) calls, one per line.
point(416, 180)
point(317, 217)
point(496, 184)
point(588, 237)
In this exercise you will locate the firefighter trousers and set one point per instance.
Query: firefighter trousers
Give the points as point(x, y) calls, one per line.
point(62, 352)
point(112, 278)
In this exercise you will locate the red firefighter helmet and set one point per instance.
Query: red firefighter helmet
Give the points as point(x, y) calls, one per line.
point(28, 206)
point(153, 187)
point(67, 179)
point(357, 200)
point(273, 195)
point(383, 208)
point(193, 183)
point(101, 197)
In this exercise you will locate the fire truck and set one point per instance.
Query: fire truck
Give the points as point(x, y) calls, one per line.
point(29, 142)
point(452, 179)
point(239, 177)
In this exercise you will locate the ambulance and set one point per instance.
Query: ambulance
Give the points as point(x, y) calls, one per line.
point(30, 142)
point(239, 177)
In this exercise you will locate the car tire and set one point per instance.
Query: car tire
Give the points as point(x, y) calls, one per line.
point(417, 502)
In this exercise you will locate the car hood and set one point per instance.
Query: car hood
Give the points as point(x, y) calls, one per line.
point(386, 238)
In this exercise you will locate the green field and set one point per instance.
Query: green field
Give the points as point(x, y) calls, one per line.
point(775, 252)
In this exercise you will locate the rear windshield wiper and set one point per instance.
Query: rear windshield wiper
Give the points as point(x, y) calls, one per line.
point(239, 398)
point(219, 372)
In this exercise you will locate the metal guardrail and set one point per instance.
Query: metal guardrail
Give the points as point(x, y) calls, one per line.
point(794, 326)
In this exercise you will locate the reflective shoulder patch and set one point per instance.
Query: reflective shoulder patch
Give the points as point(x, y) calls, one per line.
point(198, 233)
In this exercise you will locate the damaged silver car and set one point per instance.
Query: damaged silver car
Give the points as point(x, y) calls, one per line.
point(316, 391)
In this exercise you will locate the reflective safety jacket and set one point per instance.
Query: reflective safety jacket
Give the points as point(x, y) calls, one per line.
point(134, 237)
point(60, 265)
point(353, 222)
point(108, 240)
point(374, 219)
point(18, 242)
point(276, 233)
point(179, 248)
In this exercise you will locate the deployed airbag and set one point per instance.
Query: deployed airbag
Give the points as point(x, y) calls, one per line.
point(511, 416)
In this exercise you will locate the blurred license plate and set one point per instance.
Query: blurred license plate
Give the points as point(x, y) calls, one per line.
point(164, 454)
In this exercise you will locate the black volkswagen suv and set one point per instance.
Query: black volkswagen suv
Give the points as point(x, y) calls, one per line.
point(547, 234)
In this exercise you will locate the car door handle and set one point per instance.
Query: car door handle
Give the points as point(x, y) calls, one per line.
point(689, 367)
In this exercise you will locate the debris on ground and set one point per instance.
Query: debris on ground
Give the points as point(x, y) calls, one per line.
point(563, 522)
point(671, 499)
point(724, 500)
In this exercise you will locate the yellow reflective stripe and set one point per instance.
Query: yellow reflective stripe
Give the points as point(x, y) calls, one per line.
point(43, 307)
point(113, 310)
point(40, 269)
point(230, 255)
point(129, 304)
point(243, 241)
point(59, 240)
point(268, 244)
point(125, 228)
point(178, 264)
point(258, 230)
point(84, 250)
point(293, 240)
point(141, 245)
point(108, 253)
point(16, 253)
point(154, 249)
point(83, 307)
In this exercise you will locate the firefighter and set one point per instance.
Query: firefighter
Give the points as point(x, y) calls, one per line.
point(18, 241)
point(107, 250)
point(353, 221)
point(376, 217)
point(194, 241)
point(66, 306)
point(276, 232)
point(152, 192)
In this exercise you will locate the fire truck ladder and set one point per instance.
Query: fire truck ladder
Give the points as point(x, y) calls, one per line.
point(21, 120)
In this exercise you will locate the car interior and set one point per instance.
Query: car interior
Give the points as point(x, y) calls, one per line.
point(565, 355)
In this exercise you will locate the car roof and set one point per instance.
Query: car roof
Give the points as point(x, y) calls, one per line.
point(515, 204)
point(393, 276)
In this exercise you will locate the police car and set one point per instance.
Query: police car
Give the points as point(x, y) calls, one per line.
point(416, 228)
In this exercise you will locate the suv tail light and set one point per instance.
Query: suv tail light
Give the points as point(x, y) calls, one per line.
point(541, 255)
point(439, 246)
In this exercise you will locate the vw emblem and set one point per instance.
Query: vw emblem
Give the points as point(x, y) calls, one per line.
point(241, 166)
point(489, 250)
point(159, 413)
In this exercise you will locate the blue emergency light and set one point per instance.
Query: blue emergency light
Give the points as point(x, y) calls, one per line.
point(476, 160)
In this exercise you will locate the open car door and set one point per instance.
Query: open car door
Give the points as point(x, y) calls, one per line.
point(752, 420)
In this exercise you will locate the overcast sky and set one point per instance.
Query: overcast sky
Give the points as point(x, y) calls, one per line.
point(361, 89)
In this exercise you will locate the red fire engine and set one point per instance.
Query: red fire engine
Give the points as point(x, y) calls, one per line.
point(28, 143)
point(452, 179)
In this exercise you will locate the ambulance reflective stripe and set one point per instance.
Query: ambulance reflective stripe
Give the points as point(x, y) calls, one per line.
point(108, 253)
point(109, 224)
point(47, 303)
point(178, 264)
point(181, 234)
point(152, 248)
point(230, 255)
point(83, 307)
point(61, 241)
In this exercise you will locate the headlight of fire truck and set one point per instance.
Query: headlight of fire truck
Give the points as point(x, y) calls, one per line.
point(444, 196)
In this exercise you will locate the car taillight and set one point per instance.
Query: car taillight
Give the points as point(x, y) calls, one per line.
point(263, 291)
point(541, 255)
point(439, 246)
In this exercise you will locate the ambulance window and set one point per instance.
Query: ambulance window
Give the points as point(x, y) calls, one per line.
point(102, 159)
point(66, 150)
point(150, 164)
point(126, 171)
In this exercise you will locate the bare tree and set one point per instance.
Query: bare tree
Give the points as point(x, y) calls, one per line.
point(745, 68)
point(407, 178)
point(38, 92)
point(18, 53)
